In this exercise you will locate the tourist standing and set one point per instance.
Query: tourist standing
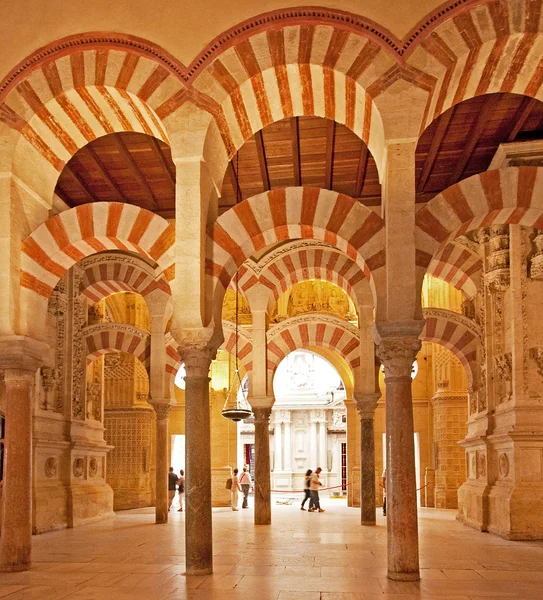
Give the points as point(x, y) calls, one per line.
point(181, 489)
point(314, 485)
point(307, 491)
point(235, 490)
point(384, 485)
point(245, 482)
point(172, 482)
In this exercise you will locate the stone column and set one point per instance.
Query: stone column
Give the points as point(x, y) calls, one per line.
point(323, 459)
point(198, 522)
point(19, 358)
point(162, 466)
point(278, 456)
point(366, 405)
point(287, 444)
point(262, 465)
point(397, 355)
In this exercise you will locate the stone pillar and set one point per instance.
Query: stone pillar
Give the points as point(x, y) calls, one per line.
point(366, 405)
point(278, 456)
point(397, 355)
point(323, 458)
point(198, 522)
point(19, 358)
point(287, 445)
point(262, 465)
point(162, 466)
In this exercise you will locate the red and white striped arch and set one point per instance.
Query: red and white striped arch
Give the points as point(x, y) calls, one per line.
point(312, 330)
point(455, 332)
point(489, 46)
point(299, 69)
point(63, 240)
point(459, 266)
point(173, 358)
point(110, 273)
point(84, 89)
point(245, 344)
point(301, 264)
point(116, 337)
point(512, 195)
point(294, 213)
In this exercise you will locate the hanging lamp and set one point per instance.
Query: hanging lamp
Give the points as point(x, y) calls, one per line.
point(236, 407)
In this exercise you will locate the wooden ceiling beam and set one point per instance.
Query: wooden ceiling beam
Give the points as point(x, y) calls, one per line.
point(361, 171)
point(296, 164)
point(521, 116)
point(160, 155)
point(235, 182)
point(329, 171)
point(437, 140)
point(136, 173)
point(112, 184)
point(81, 183)
point(475, 134)
point(261, 151)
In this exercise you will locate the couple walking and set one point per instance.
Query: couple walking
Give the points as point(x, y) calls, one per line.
point(176, 482)
point(240, 484)
point(311, 489)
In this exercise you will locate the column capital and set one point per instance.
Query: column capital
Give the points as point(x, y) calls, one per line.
point(21, 356)
point(262, 401)
point(398, 345)
point(366, 404)
point(262, 414)
point(197, 349)
point(162, 410)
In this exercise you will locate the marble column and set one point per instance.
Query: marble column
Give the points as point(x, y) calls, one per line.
point(262, 466)
point(366, 405)
point(397, 355)
point(278, 456)
point(323, 459)
point(19, 362)
point(162, 466)
point(198, 522)
point(287, 447)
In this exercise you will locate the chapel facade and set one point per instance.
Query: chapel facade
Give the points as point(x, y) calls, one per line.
point(280, 179)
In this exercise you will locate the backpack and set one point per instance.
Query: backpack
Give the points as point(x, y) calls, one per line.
point(229, 483)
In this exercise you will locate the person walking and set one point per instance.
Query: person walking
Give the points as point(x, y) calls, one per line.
point(314, 485)
point(172, 482)
point(235, 489)
point(245, 482)
point(307, 491)
point(181, 489)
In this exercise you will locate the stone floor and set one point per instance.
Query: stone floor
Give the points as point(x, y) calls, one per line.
point(302, 556)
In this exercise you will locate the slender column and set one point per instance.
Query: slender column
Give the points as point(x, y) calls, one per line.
point(287, 445)
point(313, 443)
point(262, 466)
point(19, 358)
point(198, 522)
point(323, 461)
point(397, 355)
point(278, 460)
point(162, 501)
point(366, 405)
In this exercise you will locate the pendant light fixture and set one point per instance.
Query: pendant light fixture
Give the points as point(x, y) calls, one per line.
point(236, 406)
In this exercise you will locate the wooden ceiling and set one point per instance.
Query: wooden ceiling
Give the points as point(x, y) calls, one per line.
point(310, 151)
point(307, 151)
point(121, 167)
point(464, 139)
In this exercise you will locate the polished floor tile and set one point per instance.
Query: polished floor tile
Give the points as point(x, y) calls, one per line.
point(301, 556)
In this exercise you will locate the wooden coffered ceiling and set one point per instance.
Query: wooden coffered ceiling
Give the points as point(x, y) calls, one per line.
point(309, 151)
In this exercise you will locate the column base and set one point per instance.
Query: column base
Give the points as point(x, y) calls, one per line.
point(396, 576)
point(368, 523)
point(15, 568)
point(199, 572)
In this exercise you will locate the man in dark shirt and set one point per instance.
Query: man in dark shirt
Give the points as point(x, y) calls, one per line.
point(172, 482)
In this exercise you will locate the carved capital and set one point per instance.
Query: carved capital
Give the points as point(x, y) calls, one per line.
point(366, 404)
point(162, 411)
point(398, 355)
point(262, 415)
point(196, 349)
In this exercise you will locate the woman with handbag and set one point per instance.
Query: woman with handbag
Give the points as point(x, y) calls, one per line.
point(306, 487)
point(236, 488)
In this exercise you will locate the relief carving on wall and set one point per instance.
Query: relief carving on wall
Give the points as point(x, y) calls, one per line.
point(536, 261)
point(536, 354)
point(51, 467)
point(481, 464)
point(503, 464)
point(503, 366)
point(93, 467)
point(78, 467)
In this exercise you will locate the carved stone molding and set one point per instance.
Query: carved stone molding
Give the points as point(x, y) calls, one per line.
point(78, 467)
point(51, 466)
point(481, 464)
point(262, 414)
point(503, 465)
point(503, 365)
point(398, 355)
point(366, 404)
point(536, 354)
point(117, 327)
